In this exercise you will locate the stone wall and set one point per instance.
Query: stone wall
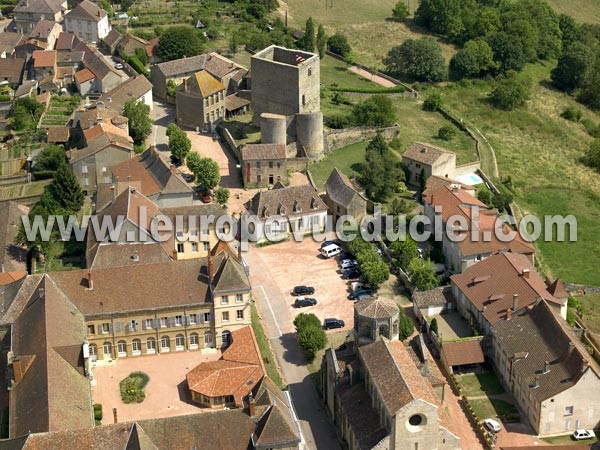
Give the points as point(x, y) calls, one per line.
point(334, 139)
point(466, 169)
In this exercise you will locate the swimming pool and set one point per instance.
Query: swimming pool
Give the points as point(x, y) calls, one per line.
point(471, 179)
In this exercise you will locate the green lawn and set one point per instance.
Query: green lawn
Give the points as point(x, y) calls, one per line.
point(348, 159)
point(336, 72)
point(587, 11)
point(265, 349)
point(486, 408)
point(591, 311)
point(480, 384)
point(540, 151)
point(567, 439)
point(242, 130)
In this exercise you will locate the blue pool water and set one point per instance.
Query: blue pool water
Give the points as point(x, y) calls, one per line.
point(471, 179)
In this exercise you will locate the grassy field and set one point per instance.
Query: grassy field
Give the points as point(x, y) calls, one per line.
point(480, 384)
point(587, 11)
point(335, 72)
point(591, 311)
point(348, 159)
point(265, 349)
point(540, 151)
point(567, 439)
point(486, 408)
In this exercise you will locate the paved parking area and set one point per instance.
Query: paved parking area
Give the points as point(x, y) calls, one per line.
point(166, 392)
point(277, 268)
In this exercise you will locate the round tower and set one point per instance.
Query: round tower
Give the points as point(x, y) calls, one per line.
point(309, 134)
point(374, 317)
point(273, 129)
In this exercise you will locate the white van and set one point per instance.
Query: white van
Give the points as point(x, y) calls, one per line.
point(331, 250)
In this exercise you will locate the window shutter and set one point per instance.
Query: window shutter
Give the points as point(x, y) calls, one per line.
point(143, 324)
point(186, 320)
point(137, 325)
point(110, 327)
point(119, 327)
point(171, 321)
point(157, 323)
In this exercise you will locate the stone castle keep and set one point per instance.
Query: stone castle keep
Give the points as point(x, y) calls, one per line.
point(286, 100)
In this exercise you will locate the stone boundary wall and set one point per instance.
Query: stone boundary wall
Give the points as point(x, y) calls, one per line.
point(334, 139)
point(465, 169)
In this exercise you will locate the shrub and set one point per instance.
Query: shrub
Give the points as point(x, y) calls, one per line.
point(132, 387)
point(433, 102)
point(405, 326)
point(222, 196)
point(375, 111)
point(434, 326)
point(571, 113)
point(339, 45)
point(447, 132)
point(337, 122)
point(98, 411)
point(510, 92)
point(591, 128)
point(137, 65)
point(305, 320)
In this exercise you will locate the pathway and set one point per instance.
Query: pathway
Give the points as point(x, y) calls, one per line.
point(371, 76)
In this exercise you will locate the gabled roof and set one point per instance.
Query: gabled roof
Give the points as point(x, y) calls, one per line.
point(100, 143)
point(112, 38)
point(459, 353)
point(83, 75)
point(230, 275)
point(491, 284)
point(53, 393)
point(131, 37)
point(536, 335)
point(203, 83)
point(8, 41)
point(87, 118)
point(112, 133)
point(289, 201)
point(87, 11)
point(238, 371)
point(341, 189)
point(67, 41)
point(435, 297)
point(376, 308)
point(133, 88)
point(44, 58)
point(259, 152)
point(426, 153)
point(58, 134)
point(40, 6)
point(94, 61)
point(213, 63)
point(557, 288)
point(12, 68)
point(43, 29)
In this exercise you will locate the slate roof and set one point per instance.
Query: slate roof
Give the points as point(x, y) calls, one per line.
point(425, 153)
point(135, 87)
point(376, 308)
point(236, 373)
point(12, 68)
point(39, 6)
point(229, 276)
point(10, 220)
point(94, 61)
point(340, 189)
point(53, 394)
point(87, 11)
point(15, 296)
point(539, 335)
point(291, 201)
point(460, 353)
point(490, 285)
point(435, 297)
point(260, 152)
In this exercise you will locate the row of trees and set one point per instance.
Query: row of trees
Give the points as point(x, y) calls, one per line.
point(374, 269)
point(421, 271)
point(375, 111)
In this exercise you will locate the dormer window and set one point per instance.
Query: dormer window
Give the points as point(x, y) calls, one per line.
point(297, 207)
point(281, 210)
point(266, 212)
point(313, 203)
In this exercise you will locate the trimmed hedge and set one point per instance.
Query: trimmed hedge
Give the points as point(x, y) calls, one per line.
point(132, 387)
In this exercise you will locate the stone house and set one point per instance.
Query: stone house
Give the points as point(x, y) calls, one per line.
point(200, 102)
point(500, 285)
point(127, 45)
point(344, 196)
point(84, 81)
point(44, 64)
point(111, 40)
point(281, 211)
point(432, 303)
point(106, 77)
point(28, 13)
point(382, 395)
point(263, 164)
point(137, 87)
point(46, 32)
point(67, 64)
point(88, 21)
point(547, 370)
point(11, 70)
point(9, 42)
point(428, 158)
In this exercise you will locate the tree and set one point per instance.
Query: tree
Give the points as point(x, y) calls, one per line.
point(375, 111)
point(589, 93)
point(400, 11)
point(50, 158)
point(140, 123)
point(207, 173)
point(422, 274)
point(308, 40)
point(178, 42)
point(508, 52)
point(382, 171)
point(233, 44)
point(510, 92)
point(422, 181)
point(433, 327)
point(592, 156)
point(222, 196)
point(106, 6)
point(193, 163)
point(475, 59)
point(573, 67)
point(378, 145)
point(321, 41)
point(26, 114)
point(419, 59)
point(405, 326)
point(306, 320)
point(485, 196)
point(338, 44)
point(433, 102)
point(179, 142)
point(404, 251)
point(374, 269)
point(311, 337)
point(447, 132)
point(66, 191)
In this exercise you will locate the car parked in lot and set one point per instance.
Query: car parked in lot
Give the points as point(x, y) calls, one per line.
point(346, 255)
point(331, 323)
point(348, 264)
point(303, 290)
point(354, 295)
point(302, 302)
point(358, 285)
point(350, 274)
point(492, 425)
point(331, 250)
point(326, 243)
point(580, 435)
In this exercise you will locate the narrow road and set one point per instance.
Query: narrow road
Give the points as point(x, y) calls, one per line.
point(163, 114)
point(371, 76)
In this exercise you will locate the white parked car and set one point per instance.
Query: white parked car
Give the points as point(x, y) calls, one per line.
point(119, 66)
point(492, 425)
point(580, 435)
point(348, 264)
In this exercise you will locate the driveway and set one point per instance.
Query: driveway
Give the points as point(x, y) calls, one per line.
point(274, 271)
point(163, 114)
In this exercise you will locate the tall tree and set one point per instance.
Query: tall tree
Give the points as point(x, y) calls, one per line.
point(208, 173)
point(404, 251)
point(420, 59)
point(375, 111)
point(179, 142)
point(592, 156)
point(321, 41)
point(308, 41)
point(66, 191)
point(573, 67)
point(510, 91)
point(338, 44)
point(140, 123)
point(178, 42)
point(50, 158)
point(422, 274)
point(400, 11)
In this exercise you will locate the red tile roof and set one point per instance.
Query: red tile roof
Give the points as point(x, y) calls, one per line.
point(461, 353)
point(44, 58)
point(84, 75)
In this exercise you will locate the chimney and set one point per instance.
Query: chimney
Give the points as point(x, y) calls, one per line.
point(536, 382)
point(210, 267)
point(515, 304)
point(115, 415)
point(546, 366)
point(526, 273)
point(251, 405)
point(90, 281)
point(508, 314)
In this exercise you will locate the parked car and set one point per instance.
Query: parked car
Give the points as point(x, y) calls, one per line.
point(580, 435)
point(346, 255)
point(326, 243)
point(301, 302)
point(330, 323)
point(331, 250)
point(119, 66)
point(175, 160)
point(350, 274)
point(492, 425)
point(348, 264)
point(205, 197)
point(354, 295)
point(189, 177)
point(358, 285)
point(303, 290)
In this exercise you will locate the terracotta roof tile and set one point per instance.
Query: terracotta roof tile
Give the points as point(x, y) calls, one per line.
point(44, 58)
point(434, 297)
point(83, 75)
point(460, 353)
point(58, 134)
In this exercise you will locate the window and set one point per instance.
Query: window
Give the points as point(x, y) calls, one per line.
point(165, 343)
point(178, 321)
point(315, 220)
point(239, 298)
point(151, 345)
point(148, 323)
point(205, 246)
point(122, 348)
point(568, 411)
point(208, 339)
point(226, 338)
point(84, 169)
point(194, 341)
point(136, 347)
point(104, 169)
point(179, 342)
point(303, 99)
point(105, 328)
point(163, 322)
point(270, 164)
point(179, 248)
point(207, 317)
point(107, 349)
point(86, 182)
point(133, 325)
point(309, 71)
point(93, 352)
point(194, 247)
point(240, 314)
point(258, 178)
point(193, 319)
point(258, 164)
point(224, 300)
point(206, 101)
point(225, 316)
point(91, 329)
